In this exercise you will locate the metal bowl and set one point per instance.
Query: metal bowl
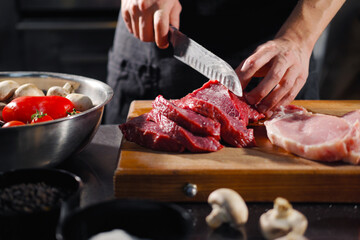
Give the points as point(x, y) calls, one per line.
point(49, 143)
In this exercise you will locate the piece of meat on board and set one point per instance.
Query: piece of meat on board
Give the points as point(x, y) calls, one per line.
point(188, 119)
point(354, 149)
point(233, 131)
point(217, 94)
point(148, 134)
point(313, 136)
point(190, 141)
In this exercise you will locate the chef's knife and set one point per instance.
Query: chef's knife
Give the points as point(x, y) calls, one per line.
point(193, 54)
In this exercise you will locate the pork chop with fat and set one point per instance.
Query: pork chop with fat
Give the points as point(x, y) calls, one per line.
point(313, 136)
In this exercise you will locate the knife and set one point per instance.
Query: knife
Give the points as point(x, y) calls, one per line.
point(196, 56)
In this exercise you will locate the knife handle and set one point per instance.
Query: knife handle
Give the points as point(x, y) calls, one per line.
point(178, 40)
point(172, 31)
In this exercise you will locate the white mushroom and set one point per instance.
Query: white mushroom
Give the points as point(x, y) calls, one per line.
point(28, 89)
point(227, 207)
point(81, 102)
point(282, 220)
point(7, 89)
point(68, 87)
point(56, 91)
point(60, 91)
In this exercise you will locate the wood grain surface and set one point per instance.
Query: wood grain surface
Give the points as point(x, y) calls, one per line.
point(261, 173)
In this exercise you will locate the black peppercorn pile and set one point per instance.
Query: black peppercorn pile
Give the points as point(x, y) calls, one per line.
point(30, 197)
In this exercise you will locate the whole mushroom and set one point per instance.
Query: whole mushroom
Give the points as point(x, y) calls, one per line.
point(283, 221)
point(7, 89)
point(227, 207)
point(81, 102)
point(28, 89)
point(60, 91)
point(56, 91)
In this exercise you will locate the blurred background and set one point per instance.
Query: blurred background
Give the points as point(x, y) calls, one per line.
point(74, 36)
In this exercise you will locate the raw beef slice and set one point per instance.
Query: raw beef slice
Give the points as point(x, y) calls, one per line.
point(188, 119)
point(149, 134)
point(313, 136)
point(190, 141)
point(233, 131)
point(217, 94)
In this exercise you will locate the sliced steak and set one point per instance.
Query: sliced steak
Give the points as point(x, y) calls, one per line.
point(218, 95)
point(313, 136)
point(254, 115)
point(149, 134)
point(190, 141)
point(233, 131)
point(188, 119)
point(242, 106)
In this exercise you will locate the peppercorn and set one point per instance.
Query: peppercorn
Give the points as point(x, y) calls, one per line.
point(30, 197)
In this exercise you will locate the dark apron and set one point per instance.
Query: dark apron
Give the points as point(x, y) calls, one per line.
point(140, 71)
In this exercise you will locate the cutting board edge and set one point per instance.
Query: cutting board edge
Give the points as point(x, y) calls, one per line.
point(169, 186)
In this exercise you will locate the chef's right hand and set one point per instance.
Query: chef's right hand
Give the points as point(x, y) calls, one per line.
point(149, 20)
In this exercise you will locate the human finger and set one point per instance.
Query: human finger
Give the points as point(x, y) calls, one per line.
point(257, 60)
point(278, 93)
point(270, 81)
point(291, 95)
point(244, 82)
point(135, 15)
point(126, 15)
point(146, 28)
point(161, 28)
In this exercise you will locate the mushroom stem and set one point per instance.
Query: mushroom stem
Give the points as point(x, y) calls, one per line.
point(282, 220)
point(217, 216)
point(68, 87)
point(227, 207)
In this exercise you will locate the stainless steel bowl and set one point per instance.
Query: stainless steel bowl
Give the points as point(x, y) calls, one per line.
point(49, 143)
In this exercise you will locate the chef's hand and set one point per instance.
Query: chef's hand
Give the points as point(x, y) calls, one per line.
point(149, 20)
point(284, 66)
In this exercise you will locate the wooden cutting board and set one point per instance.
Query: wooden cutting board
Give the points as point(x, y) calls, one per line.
point(258, 174)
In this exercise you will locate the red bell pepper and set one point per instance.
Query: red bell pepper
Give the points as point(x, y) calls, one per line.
point(22, 108)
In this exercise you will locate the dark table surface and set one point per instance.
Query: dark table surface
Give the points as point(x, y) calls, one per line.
point(97, 162)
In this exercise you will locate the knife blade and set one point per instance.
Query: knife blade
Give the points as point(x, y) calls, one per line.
point(196, 56)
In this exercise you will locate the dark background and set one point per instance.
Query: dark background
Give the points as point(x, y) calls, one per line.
point(74, 36)
point(67, 36)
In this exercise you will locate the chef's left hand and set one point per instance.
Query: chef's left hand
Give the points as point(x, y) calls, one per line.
point(284, 66)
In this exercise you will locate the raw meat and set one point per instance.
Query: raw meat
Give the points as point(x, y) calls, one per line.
point(233, 131)
point(352, 117)
point(252, 114)
point(190, 141)
point(196, 122)
point(218, 95)
point(149, 134)
point(188, 119)
point(313, 136)
point(354, 149)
